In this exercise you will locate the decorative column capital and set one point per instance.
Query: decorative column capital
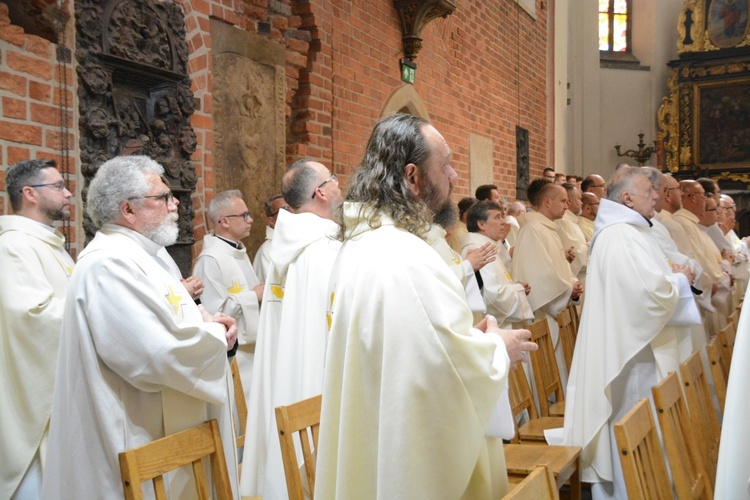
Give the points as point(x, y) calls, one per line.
point(415, 15)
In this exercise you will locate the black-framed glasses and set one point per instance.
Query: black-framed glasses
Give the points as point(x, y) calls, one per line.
point(167, 197)
point(285, 207)
point(57, 186)
point(245, 216)
point(333, 177)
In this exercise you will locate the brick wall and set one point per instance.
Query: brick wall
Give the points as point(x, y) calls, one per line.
point(480, 71)
point(29, 104)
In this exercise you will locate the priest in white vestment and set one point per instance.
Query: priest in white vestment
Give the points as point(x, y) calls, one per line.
point(571, 234)
point(505, 299)
point(262, 260)
point(630, 332)
point(739, 246)
point(515, 210)
point(138, 359)
point(230, 284)
point(410, 386)
point(35, 271)
point(714, 281)
point(589, 209)
point(540, 260)
point(292, 332)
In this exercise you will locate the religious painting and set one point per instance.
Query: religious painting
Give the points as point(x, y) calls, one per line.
point(727, 22)
point(722, 124)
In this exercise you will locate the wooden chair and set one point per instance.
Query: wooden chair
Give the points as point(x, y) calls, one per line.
point(153, 460)
point(641, 455)
point(719, 370)
point(568, 331)
point(727, 336)
point(683, 452)
point(239, 399)
point(546, 376)
point(539, 485)
point(521, 400)
point(705, 423)
point(734, 317)
point(299, 417)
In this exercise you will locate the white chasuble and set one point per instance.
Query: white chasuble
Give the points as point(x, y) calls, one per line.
point(409, 384)
point(262, 260)
point(137, 362)
point(290, 349)
point(505, 299)
point(229, 282)
point(587, 227)
point(571, 235)
point(632, 333)
point(34, 273)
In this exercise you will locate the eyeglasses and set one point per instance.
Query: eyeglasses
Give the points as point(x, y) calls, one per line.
point(699, 193)
point(167, 197)
point(599, 185)
point(591, 204)
point(710, 210)
point(331, 178)
point(245, 216)
point(287, 208)
point(57, 186)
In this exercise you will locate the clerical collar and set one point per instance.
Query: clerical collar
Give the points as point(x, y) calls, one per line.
point(228, 242)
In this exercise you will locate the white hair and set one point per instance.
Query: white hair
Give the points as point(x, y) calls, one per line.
point(220, 202)
point(117, 180)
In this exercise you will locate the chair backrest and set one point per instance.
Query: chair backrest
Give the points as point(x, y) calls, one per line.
point(302, 418)
point(641, 454)
point(240, 403)
point(719, 370)
point(539, 485)
point(520, 397)
point(734, 317)
point(726, 340)
point(568, 331)
point(683, 452)
point(544, 364)
point(703, 417)
point(151, 461)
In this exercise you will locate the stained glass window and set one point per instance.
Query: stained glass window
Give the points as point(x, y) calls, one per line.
point(614, 24)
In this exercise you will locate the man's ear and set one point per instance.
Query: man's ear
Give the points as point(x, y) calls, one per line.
point(481, 224)
point(126, 211)
point(626, 199)
point(413, 177)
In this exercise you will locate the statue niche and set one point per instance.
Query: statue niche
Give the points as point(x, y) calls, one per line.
point(135, 96)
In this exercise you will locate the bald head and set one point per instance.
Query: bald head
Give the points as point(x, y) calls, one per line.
point(672, 194)
point(552, 201)
point(595, 184)
point(516, 208)
point(589, 206)
point(693, 197)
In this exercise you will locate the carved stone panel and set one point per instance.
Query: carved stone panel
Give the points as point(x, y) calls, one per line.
point(135, 96)
point(522, 163)
point(249, 133)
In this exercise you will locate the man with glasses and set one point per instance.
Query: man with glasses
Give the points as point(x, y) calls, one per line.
point(595, 184)
point(231, 286)
point(35, 271)
point(262, 261)
point(292, 332)
point(589, 209)
point(138, 359)
point(714, 282)
point(738, 245)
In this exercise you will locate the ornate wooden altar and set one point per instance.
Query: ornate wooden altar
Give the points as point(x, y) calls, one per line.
point(705, 121)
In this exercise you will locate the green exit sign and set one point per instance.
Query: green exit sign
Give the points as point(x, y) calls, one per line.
point(408, 72)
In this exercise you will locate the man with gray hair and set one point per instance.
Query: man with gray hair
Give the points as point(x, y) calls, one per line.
point(231, 286)
point(262, 260)
point(630, 334)
point(138, 359)
point(35, 270)
point(410, 386)
point(290, 349)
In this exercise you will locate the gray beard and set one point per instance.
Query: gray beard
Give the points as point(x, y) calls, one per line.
point(165, 234)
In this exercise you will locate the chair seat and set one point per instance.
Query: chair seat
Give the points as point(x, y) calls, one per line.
point(557, 409)
point(522, 459)
point(533, 430)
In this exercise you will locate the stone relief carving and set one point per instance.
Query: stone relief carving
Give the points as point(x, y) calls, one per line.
point(522, 162)
point(135, 96)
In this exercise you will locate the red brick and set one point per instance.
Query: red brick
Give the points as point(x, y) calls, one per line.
point(30, 65)
point(13, 34)
point(49, 115)
point(16, 154)
point(39, 46)
point(21, 133)
point(15, 84)
point(14, 108)
point(40, 91)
